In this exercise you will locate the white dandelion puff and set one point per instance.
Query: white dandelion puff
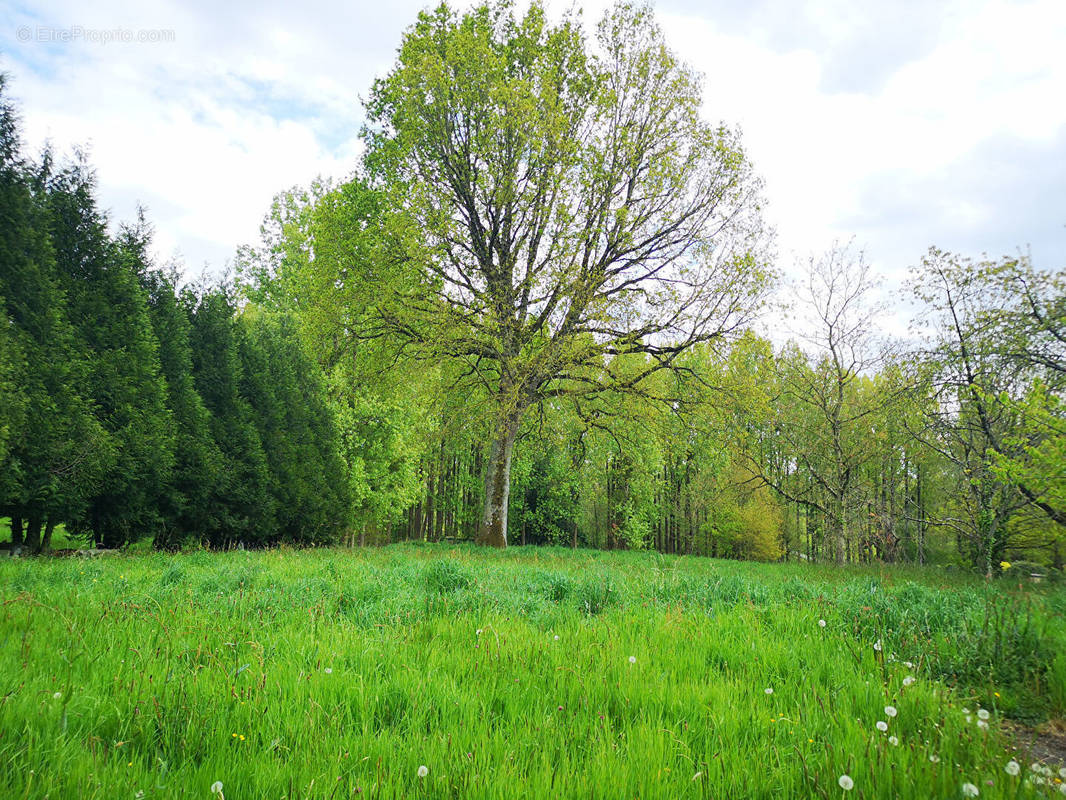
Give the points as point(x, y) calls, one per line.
point(882, 725)
point(969, 790)
point(982, 724)
point(908, 680)
point(1062, 773)
point(768, 690)
point(556, 637)
point(877, 645)
point(328, 670)
point(632, 659)
point(893, 740)
point(57, 695)
point(982, 713)
point(821, 623)
point(846, 783)
point(934, 758)
point(216, 787)
point(890, 711)
point(1013, 767)
point(423, 771)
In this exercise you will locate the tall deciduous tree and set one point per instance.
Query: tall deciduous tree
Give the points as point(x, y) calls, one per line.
point(825, 415)
point(561, 203)
point(997, 363)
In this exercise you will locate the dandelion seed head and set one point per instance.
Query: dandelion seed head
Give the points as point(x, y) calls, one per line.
point(982, 724)
point(890, 711)
point(982, 713)
point(556, 637)
point(632, 659)
point(768, 690)
point(216, 787)
point(328, 670)
point(934, 758)
point(423, 771)
point(908, 680)
point(846, 783)
point(969, 790)
point(57, 695)
point(1013, 767)
point(821, 623)
point(893, 740)
point(877, 645)
point(882, 725)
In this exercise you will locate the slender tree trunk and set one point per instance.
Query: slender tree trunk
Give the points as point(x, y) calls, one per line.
point(431, 500)
point(33, 534)
point(840, 538)
point(16, 531)
point(493, 529)
point(921, 519)
point(46, 542)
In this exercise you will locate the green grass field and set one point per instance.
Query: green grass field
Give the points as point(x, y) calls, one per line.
point(529, 673)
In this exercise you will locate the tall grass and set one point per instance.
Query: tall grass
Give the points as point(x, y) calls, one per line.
point(529, 673)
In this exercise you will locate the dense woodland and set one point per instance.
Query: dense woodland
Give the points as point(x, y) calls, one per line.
point(381, 362)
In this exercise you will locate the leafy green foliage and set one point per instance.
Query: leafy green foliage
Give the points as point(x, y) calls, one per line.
point(56, 456)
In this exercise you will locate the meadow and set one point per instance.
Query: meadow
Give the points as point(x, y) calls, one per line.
point(439, 671)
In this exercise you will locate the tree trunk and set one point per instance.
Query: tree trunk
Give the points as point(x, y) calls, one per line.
point(493, 529)
point(33, 534)
point(840, 537)
point(16, 531)
point(46, 542)
point(431, 500)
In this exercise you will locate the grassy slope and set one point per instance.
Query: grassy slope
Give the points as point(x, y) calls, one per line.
point(337, 674)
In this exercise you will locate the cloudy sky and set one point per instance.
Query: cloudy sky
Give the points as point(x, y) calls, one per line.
point(898, 124)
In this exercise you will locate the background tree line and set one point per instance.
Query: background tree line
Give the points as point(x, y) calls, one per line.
point(837, 446)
